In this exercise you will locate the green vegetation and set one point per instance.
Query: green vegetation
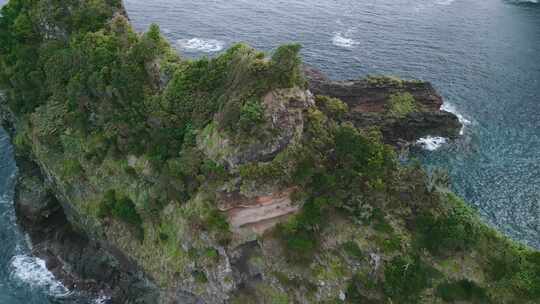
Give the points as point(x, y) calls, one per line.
point(352, 249)
point(121, 207)
point(119, 116)
point(251, 116)
point(332, 107)
point(357, 289)
point(455, 230)
point(401, 104)
point(463, 290)
point(406, 278)
point(514, 268)
point(336, 162)
point(382, 80)
point(72, 168)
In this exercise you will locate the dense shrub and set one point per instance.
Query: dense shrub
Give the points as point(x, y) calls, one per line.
point(463, 290)
point(517, 268)
point(72, 168)
point(251, 116)
point(405, 278)
point(454, 230)
point(120, 207)
point(299, 233)
point(286, 67)
point(352, 249)
point(332, 107)
point(358, 286)
point(361, 155)
point(19, 56)
point(401, 104)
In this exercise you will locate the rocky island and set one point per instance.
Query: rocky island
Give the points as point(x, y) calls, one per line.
point(244, 178)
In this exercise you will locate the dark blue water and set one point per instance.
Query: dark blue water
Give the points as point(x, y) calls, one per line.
point(482, 55)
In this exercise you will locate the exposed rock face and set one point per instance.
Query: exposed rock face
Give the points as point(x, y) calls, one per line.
point(368, 99)
point(284, 121)
point(284, 124)
point(80, 262)
point(260, 213)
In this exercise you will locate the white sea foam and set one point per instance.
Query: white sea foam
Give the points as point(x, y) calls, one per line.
point(32, 271)
point(201, 45)
point(344, 40)
point(102, 300)
point(431, 143)
point(448, 107)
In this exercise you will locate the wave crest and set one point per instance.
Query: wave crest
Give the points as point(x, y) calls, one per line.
point(33, 271)
point(431, 143)
point(448, 107)
point(201, 45)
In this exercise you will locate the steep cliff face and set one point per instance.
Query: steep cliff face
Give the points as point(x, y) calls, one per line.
point(236, 179)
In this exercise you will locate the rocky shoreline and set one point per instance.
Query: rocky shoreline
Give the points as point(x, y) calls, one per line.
point(367, 99)
point(80, 261)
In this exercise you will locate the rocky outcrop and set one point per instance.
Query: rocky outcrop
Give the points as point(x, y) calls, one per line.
point(368, 101)
point(257, 214)
point(78, 261)
point(283, 127)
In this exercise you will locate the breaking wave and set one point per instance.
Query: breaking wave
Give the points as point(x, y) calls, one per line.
point(201, 45)
point(431, 143)
point(102, 300)
point(448, 107)
point(32, 271)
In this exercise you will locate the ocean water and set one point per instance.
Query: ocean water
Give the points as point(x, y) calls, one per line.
point(482, 55)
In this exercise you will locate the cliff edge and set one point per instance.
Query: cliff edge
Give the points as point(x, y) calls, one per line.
point(244, 178)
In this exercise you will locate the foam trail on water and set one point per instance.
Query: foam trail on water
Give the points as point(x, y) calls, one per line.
point(102, 300)
point(431, 143)
point(201, 45)
point(33, 271)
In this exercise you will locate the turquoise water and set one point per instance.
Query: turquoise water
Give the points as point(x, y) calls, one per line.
point(482, 55)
